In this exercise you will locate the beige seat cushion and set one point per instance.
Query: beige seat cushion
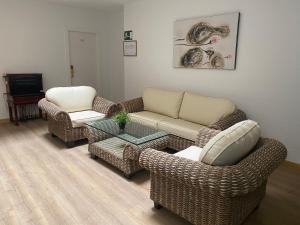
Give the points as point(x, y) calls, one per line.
point(231, 145)
point(192, 153)
point(72, 99)
point(162, 101)
point(181, 128)
point(147, 118)
point(79, 118)
point(204, 110)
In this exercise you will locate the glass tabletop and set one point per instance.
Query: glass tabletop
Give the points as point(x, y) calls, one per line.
point(134, 133)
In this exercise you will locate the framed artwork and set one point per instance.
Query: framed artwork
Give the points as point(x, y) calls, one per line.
point(130, 48)
point(206, 42)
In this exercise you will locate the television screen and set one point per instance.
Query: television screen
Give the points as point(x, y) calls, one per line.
point(25, 84)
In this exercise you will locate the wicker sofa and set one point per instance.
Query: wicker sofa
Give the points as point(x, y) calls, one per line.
point(68, 108)
point(182, 114)
point(205, 194)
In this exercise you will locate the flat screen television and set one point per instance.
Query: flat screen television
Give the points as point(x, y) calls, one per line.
point(25, 84)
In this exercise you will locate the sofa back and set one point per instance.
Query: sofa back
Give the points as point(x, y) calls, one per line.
point(71, 99)
point(162, 101)
point(204, 110)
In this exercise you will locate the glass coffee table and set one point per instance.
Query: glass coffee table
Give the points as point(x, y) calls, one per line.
point(122, 148)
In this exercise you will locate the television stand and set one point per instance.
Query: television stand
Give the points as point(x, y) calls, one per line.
point(24, 107)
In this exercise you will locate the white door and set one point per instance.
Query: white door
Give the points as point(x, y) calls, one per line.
point(83, 58)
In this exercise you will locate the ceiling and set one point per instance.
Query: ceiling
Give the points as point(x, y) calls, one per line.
point(93, 4)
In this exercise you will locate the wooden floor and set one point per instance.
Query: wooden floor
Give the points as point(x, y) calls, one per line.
point(42, 182)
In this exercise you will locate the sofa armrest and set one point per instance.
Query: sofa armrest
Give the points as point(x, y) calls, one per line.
point(134, 105)
point(228, 121)
point(228, 181)
point(105, 106)
point(204, 135)
point(55, 112)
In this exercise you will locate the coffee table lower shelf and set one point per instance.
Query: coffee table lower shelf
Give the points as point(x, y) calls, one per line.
point(124, 155)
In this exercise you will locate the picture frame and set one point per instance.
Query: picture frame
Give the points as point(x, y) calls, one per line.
point(130, 48)
point(206, 42)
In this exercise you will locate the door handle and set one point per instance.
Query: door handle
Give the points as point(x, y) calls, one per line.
point(72, 71)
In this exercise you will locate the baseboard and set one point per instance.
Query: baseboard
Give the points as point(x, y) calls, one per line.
point(4, 120)
point(292, 164)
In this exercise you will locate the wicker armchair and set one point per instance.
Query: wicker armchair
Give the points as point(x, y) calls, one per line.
point(60, 124)
point(179, 143)
point(204, 194)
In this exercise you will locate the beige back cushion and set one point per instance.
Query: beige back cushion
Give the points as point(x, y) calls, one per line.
point(231, 145)
point(162, 101)
point(72, 99)
point(204, 110)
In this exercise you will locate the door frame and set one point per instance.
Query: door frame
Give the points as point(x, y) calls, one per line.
point(68, 29)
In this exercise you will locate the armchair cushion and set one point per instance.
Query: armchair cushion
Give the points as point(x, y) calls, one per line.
point(79, 118)
point(72, 99)
point(162, 101)
point(192, 153)
point(204, 110)
point(231, 145)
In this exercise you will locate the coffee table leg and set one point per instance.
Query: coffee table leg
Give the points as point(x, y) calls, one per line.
point(157, 206)
point(127, 176)
point(94, 156)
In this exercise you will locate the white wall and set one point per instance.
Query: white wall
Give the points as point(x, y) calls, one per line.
point(113, 56)
point(33, 40)
point(266, 82)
